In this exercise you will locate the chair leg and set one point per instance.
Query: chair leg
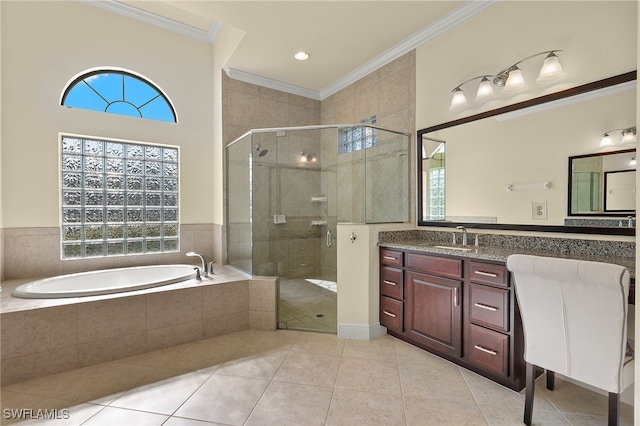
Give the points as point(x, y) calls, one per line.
point(551, 380)
point(530, 371)
point(614, 409)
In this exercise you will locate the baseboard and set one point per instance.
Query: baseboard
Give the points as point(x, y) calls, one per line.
point(361, 331)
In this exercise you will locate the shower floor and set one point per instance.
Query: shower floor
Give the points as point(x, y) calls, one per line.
point(308, 304)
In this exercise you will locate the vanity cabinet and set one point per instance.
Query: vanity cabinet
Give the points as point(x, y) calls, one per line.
point(459, 308)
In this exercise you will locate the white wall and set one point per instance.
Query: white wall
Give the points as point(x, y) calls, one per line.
point(44, 45)
point(598, 39)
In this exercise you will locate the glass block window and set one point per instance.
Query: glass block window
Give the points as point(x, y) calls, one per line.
point(352, 139)
point(436, 193)
point(118, 198)
point(121, 92)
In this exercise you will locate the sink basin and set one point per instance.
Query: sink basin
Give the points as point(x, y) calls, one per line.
point(458, 248)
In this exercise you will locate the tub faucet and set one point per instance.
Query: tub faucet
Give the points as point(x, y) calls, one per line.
point(204, 270)
point(465, 240)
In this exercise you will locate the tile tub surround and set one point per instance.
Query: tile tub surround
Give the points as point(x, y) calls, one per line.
point(47, 336)
point(498, 247)
point(35, 252)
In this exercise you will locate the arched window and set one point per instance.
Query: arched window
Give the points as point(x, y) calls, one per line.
point(118, 91)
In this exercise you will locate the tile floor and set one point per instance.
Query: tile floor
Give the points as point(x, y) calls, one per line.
point(308, 304)
point(289, 377)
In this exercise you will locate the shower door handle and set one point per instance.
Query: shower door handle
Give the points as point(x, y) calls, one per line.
point(329, 238)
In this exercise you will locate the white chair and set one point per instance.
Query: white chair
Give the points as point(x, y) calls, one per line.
point(574, 315)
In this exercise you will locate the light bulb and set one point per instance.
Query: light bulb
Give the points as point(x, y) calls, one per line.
point(515, 83)
point(633, 161)
point(606, 140)
point(485, 90)
point(551, 70)
point(628, 136)
point(459, 100)
point(301, 55)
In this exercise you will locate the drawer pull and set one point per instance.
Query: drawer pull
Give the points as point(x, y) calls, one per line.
point(487, 307)
point(485, 350)
point(389, 282)
point(486, 274)
point(389, 314)
point(389, 258)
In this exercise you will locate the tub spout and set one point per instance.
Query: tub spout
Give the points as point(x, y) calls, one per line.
point(204, 270)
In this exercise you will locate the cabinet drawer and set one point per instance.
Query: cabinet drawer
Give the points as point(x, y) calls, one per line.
point(489, 273)
point(489, 306)
point(489, 350)
point(443, 266)
point(391, 282)
point(391, 257)
point(391, 313)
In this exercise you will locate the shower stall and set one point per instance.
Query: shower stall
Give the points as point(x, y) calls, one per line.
point(286, 191)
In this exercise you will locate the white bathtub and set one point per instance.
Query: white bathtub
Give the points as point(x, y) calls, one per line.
point(105, 281)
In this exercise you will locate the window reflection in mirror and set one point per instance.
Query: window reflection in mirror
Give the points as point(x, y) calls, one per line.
point(602, 184)
point(433, 178)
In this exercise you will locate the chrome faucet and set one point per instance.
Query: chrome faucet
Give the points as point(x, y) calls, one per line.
point(204, 270)
point(465, 240)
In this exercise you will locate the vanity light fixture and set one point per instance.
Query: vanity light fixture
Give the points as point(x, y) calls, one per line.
point(510, 79)
point(628, 136)
point(304, 157)
point(633, 161)
point(301, 55)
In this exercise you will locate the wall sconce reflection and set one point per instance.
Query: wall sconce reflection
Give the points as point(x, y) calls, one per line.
point(628, 136)
point(304, 157)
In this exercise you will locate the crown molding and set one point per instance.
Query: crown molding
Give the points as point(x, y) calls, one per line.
point(159, 21)
point(447, 22)
point(269, 83)
point(455, 17)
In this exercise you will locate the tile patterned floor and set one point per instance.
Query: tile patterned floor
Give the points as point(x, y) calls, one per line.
point(308, 304)
point(289, 377)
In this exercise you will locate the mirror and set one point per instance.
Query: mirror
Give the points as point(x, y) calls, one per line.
point(602, 184)
point(507, 168)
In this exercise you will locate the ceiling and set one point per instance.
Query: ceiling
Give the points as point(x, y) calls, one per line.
point(346, 39)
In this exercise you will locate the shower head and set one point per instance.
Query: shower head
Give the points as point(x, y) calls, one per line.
point(261, 151)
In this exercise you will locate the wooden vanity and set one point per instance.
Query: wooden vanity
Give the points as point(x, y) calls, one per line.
point(461, 309)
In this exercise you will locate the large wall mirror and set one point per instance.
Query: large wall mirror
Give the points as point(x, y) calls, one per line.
point(507, 168)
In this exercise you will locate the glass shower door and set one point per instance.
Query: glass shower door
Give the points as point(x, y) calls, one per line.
point(305, 223)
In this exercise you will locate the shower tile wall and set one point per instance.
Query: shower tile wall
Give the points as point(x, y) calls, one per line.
point(35, 252)
point(388, 93)
point(248, 106)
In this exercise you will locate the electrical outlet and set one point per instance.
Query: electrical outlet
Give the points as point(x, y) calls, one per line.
point(539, 210)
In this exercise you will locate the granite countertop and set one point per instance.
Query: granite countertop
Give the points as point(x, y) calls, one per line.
point(500, 254)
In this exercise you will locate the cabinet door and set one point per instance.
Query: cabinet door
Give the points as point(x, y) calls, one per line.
point(434, 312)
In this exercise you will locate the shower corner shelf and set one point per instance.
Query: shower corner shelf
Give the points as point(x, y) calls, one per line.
point(318, 222)
point(318, 199)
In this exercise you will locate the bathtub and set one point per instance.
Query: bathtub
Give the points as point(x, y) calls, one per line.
point(105, 281)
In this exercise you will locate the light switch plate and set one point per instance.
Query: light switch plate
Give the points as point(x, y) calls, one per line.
point(539, 210)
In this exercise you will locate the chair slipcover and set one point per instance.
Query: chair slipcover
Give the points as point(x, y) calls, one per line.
point(574, 315)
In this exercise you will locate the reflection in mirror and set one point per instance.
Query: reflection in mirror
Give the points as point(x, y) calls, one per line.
point(433, 178)
point(524, 147)
point(602, 184)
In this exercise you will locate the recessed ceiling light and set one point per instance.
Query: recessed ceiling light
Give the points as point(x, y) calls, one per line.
point(301, 55)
